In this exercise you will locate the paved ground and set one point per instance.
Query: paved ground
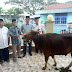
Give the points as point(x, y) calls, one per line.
point(35, 63)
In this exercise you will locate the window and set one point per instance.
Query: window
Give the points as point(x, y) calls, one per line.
point(60, 18)
point(57, 20)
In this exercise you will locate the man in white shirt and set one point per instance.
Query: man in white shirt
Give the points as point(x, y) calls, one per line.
point(4, 51)
point(1, 69)
point(40, 28)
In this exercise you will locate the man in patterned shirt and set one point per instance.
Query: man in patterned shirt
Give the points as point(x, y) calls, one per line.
point(15, 32)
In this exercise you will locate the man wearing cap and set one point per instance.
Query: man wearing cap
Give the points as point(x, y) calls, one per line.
point(38, 27)
point(15, 32)
point(27, 27)
point(4, 51)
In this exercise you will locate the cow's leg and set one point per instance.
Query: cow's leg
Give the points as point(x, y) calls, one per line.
point(70, 63)
point(46, 59)
point(67, 68)
point(54, 60)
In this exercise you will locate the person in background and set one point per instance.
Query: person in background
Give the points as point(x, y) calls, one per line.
point(14, 33)
point(27, 27)
point(40, 28)
point(4, 49)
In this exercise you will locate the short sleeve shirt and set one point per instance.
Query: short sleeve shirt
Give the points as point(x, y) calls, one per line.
point(3, 37)
point(40, 27)
point(26, 27)
point(14, 31)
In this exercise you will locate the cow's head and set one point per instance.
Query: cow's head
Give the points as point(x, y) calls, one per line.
point(30, 35)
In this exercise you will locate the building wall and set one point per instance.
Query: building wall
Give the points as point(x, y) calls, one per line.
point(69, 17)
point(44, 18)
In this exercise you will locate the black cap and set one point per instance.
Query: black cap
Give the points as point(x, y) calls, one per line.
point(13, 20)
point(1, 20)
point(27, 17)
point(36, 18)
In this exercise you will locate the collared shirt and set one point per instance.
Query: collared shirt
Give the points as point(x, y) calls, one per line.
point(3, 37)
point(26, 27)
point(14, 31)
point(40, 27)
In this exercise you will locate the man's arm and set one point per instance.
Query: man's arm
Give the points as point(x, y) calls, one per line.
point(23, 33)
point(22, 30)
point(42, 32)
point(8, 37)
point(14, 35)
point(43, 28)
point(8, 40)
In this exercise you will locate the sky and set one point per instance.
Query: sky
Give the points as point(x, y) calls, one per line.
point(6, 7)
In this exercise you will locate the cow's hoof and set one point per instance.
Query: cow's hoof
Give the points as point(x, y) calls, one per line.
point(64, 70)
point(54, 65)
point(43, 68)
point(56, 68)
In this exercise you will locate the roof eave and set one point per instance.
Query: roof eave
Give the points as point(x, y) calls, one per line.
point(64, 10)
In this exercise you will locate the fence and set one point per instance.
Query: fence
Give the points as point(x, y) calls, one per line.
point(58, 28)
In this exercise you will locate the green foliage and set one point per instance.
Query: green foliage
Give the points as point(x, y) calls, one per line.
point(14, 11)
point(18, 11)
point(30, 6)
point(1, 10)
point(41, 22)
point(8, 25)
point(69, 1)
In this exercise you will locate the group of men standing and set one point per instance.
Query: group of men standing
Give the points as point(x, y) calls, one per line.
point(14, 32)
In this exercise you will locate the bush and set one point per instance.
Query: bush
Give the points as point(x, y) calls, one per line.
point(8, 25)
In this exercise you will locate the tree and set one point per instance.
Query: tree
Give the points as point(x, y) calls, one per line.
point(14, 12)
point(49, 2)
point(1, 10)
point(29, 6)
point(69, 1)
point(17, 11)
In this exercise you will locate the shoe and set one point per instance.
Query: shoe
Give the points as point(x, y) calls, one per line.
point(1, 62)
point(24, 55)
point(14, 59)
point(30, 54)
point(19, 57)
point(8, 60)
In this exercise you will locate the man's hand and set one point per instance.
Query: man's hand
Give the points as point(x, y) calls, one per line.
point(17, 35)
point(24, 33)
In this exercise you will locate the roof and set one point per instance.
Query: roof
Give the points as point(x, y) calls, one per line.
point(33, 16)
point(59, 6)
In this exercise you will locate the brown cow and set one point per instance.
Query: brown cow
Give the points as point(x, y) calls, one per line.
point(51, 44)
